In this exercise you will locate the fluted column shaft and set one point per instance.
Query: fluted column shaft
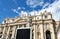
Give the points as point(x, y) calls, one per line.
point(13, 33)
point(41, 31)
point(3, 32)
point(52, 31)
point(35, 32)
point(8, 32)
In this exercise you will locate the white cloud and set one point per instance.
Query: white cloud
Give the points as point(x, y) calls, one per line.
point(34, 3)
point(46, 4)
point(19, 12)
point(19, 8)
point(15, 11)
point(23, 13)
point(34, 12)
point(54, 8)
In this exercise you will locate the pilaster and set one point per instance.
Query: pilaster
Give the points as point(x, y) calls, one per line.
point(3, 32)
point(41, 31)
point(13, 33)
point(52, 31)
point(35, 32)
point(8, 32)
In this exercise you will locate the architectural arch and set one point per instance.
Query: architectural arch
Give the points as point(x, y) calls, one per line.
point(48, 34)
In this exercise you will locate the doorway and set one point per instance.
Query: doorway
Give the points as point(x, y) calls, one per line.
point(48, 34)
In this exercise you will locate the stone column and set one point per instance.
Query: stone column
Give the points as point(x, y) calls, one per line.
point(3, 32)
point(35, 32)
point(18, 26)
point(28, 24)
point(13, 33)
point(52, 31)
point(22, 26)
point(8, 33)
point(41, 31)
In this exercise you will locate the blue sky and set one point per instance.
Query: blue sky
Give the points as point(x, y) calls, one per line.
point(12, 8)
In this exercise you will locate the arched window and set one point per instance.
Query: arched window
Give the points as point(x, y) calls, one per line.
point(48, 34)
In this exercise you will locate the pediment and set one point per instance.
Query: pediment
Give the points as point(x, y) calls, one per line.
point(20, 20)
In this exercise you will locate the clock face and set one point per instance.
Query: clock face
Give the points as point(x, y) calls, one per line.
point(23, 34)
